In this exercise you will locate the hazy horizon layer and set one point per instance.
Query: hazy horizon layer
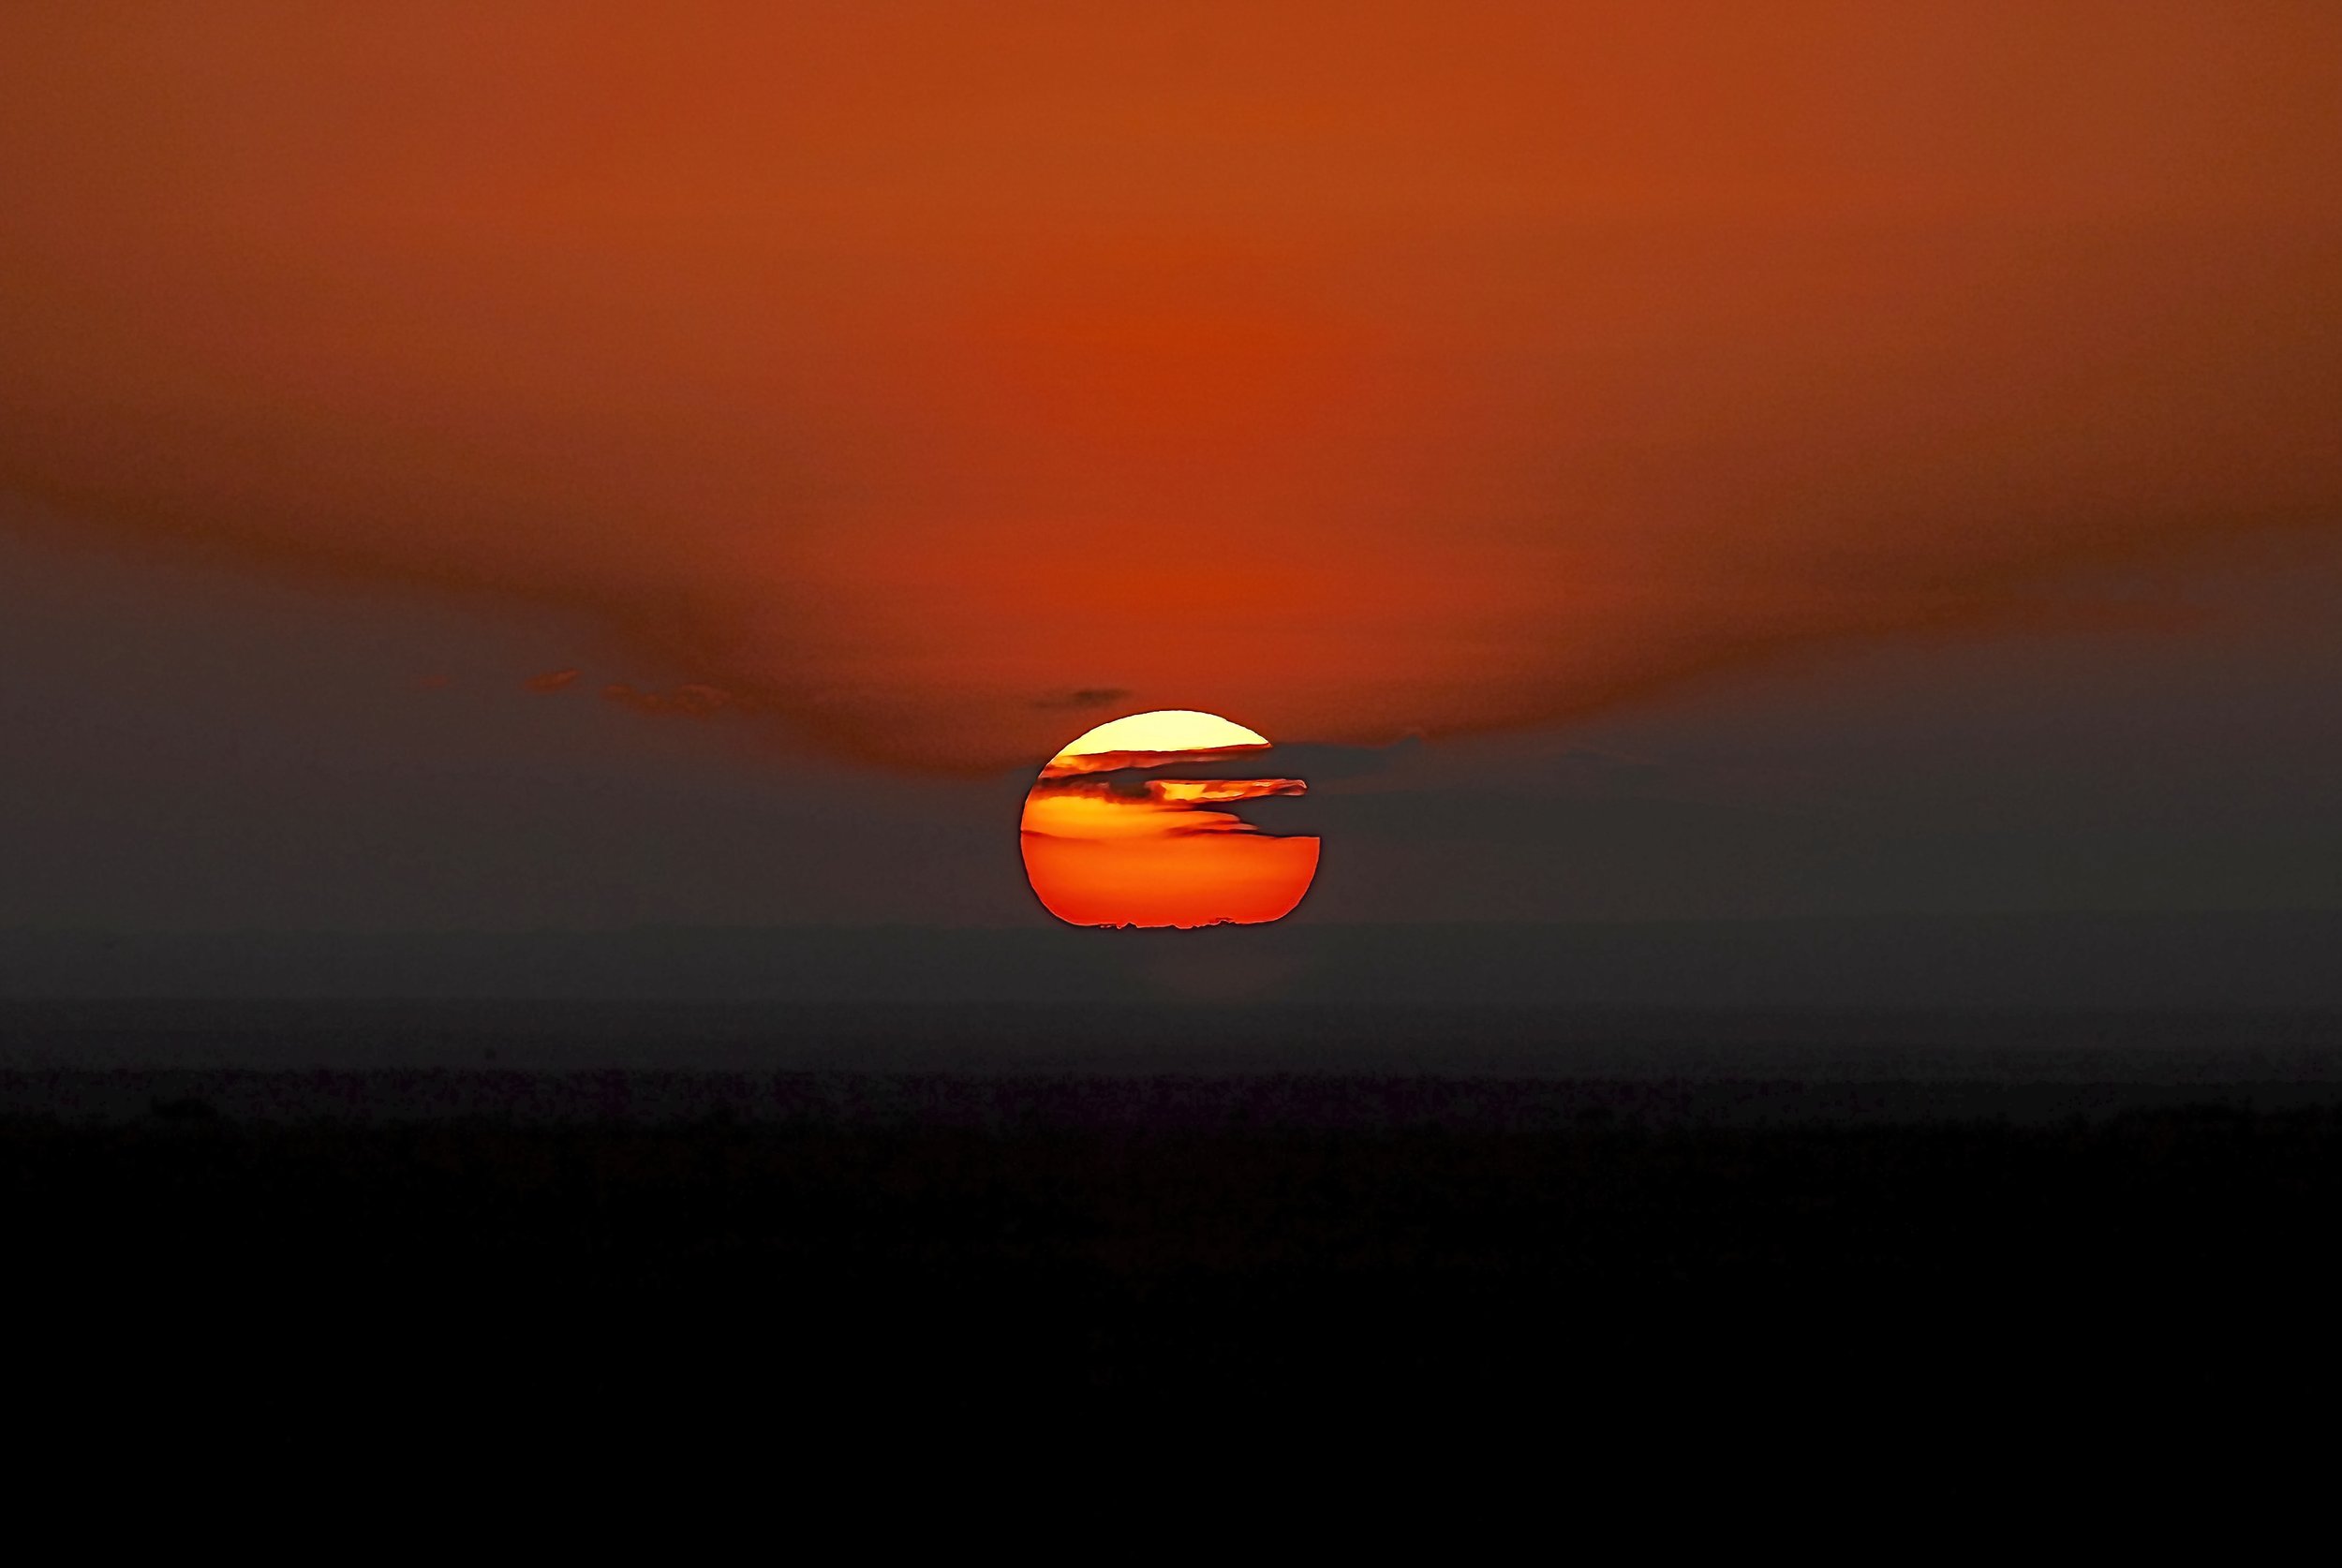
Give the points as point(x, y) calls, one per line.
point(2122, 962)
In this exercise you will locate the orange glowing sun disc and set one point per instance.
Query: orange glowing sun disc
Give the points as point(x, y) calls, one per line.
point(1130, 824)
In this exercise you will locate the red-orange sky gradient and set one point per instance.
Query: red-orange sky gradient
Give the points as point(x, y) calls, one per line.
point(911, 374)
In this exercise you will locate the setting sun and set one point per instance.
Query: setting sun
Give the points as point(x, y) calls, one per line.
point(1114, 835)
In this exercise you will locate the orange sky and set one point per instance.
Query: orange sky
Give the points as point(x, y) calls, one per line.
point(900, 370)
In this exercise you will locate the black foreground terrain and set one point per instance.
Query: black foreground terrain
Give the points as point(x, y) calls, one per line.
point(1330, 1244)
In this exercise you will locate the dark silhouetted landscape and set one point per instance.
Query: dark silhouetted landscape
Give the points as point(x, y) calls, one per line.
point(603, 1208)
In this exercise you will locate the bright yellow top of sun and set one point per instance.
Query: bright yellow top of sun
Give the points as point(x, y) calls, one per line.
point(1165, 729)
